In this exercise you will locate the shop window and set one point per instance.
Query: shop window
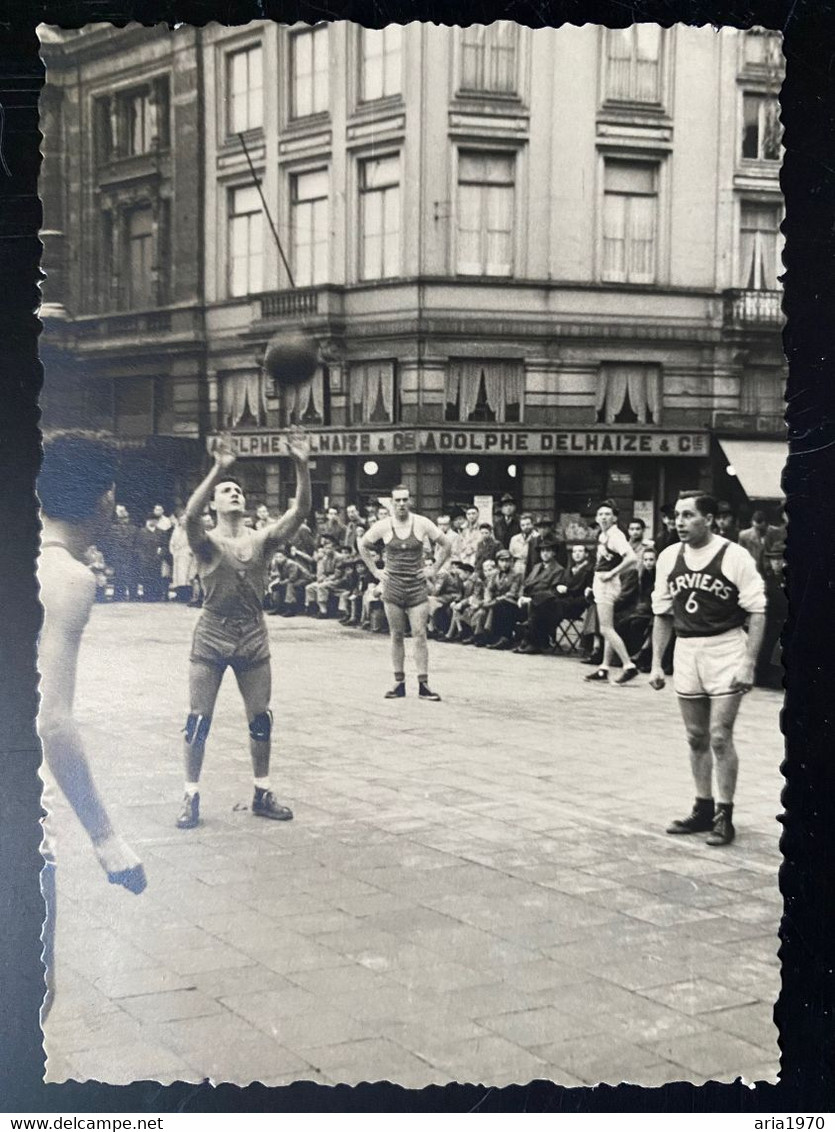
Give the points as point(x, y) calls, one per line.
point(133, 406)
point(308, 403)
point(245, 90)
point(489, 58)
point(309, 78)
point(246, 243)
point(371, 393)
point(380, 62)
point(485, 391)
point(485, 213)
point(761, 131)
point(633, 63)
point(759, 245)
point(379, 182)
point(243, 399)
point(628, 395)
point(630, 221)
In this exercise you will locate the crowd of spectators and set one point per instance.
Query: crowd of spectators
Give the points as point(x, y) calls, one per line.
point(515, 583)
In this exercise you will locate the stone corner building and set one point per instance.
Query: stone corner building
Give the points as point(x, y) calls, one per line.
point(542, 262)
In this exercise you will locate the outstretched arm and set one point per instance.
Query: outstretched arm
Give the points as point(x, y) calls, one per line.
point(198, 540)
point(292, 519)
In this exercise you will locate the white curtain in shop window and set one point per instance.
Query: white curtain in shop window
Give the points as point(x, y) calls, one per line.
point(640, 383)
point(240, 391)
point(372, 384)
point(504, 383)
point(298, 400)
point(463, 380)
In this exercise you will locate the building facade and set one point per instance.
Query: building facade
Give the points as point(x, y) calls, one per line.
point(537, 261)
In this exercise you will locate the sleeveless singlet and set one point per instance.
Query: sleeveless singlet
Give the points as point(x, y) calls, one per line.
point(405, 584)
point(235, 587)
point(705, 602)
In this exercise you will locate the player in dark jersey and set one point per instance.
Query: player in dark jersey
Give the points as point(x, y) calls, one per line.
point(232, 561)
point(707, 588)
point(404, 577)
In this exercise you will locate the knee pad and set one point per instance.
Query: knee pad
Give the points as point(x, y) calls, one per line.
point(261, 727)
point(197, 728)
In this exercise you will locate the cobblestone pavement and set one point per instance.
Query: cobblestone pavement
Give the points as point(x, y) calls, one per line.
point(477, 890)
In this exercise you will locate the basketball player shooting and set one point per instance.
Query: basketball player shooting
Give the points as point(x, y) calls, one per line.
point(231, 632)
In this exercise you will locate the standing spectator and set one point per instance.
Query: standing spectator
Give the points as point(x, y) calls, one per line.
point(487, 546)
point(753, 539)
point(120, 552)
point(352, 523)
point(331, 525)
point(470, 536)
point(262, 516)
point(519, 545)
point(506, 525)
point(456, 536)
point(501, 599)
point(181, 558)
point(726, 522)
point(636, 534)
point(769, 670)
point(667, 536)
point(148, 553)
point(164, 522)
point(538, 598)
point(443, 565)
point(634, 618)
point(317, 594)
point(304, 541)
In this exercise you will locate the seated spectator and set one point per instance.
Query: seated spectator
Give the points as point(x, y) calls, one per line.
point(501, 599)
point(458, 607)
point(317, 594)
point(351, 601)
point(572, 598)
point(538, 598)
point(288, 579)
point(476, 614)
point(487, 546)
point(633, 610)
point(95, 560)
point(449, 587)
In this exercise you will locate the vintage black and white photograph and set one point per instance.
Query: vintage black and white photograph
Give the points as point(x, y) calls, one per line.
point(412, 553)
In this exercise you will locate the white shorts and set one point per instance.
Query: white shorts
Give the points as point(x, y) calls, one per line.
point(606, 591)
point(705, 666)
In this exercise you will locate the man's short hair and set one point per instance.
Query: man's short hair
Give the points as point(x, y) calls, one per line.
point(526, 515)
point(228, 479)
point(79, 467)
point(640, 522)
point(610, 503)
point(705, 504)
point(401, 487)
point(759, 517)
point(668, 511)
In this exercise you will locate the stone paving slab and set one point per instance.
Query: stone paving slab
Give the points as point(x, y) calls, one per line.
point(476, 890)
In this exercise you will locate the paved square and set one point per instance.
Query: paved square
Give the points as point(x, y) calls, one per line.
point(477, 890)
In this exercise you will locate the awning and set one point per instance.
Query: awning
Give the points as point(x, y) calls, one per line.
point(758, 465)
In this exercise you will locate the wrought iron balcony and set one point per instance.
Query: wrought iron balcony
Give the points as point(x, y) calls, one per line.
point(745, 310)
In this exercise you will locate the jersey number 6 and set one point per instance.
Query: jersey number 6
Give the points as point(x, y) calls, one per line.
point(691, 605)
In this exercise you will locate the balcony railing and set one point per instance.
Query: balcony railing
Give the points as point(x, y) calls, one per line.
point(138, 324)
point(748, 309)
point(290, 304)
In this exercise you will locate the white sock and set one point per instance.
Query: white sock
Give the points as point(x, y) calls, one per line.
point(192, 788)
point(262, 783)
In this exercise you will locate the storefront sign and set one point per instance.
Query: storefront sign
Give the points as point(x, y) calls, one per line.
point(485, 442)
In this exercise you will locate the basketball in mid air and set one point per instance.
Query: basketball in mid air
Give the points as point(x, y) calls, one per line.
point(291, 358)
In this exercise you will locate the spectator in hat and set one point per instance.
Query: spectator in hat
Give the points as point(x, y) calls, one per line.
point(501, 600)
point(544, 529)
point(506, 525)
point(726, 522)
point(668, 535)
point(538, 597)
point(487, 547)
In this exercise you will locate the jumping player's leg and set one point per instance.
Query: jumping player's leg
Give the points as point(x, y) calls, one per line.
point(203, 685)
point(255, 686)
point(398, 623)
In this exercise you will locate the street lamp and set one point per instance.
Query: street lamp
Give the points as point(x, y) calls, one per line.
point(371, 467)
point(730, 470)
point(472, 469)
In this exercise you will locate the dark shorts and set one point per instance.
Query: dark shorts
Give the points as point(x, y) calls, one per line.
point(223, 641)
point(405, 594)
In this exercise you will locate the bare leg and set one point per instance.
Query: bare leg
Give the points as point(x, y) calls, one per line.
point(611, 637)
point(397, 619)
point(723, 713)
point(696, 714)
point(255, 685)
point(418, 616)
point(203, 686)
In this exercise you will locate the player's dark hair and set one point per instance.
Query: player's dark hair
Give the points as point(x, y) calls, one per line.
point(401, 487)
point(759, 517)
point(78, 467)
point(640, 522)
point(228, 479)
point(705, 504)
point(610, 503)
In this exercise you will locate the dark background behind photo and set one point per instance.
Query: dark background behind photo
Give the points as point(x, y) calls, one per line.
point(805, 1009)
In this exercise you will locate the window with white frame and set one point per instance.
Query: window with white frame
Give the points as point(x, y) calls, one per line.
point(132, 122)
point(245, 87)
point(484, 213)
point(759, 245)
point(380, 62)
point(371, 392)
point(628, 394)
point(242, 398)
point(633, 63)
point(489, 58)
point(140, 242)
point(478, 390)
point(246, 242)
point(761, 133)
point(379, 187)
point(309, 76)
point(310, 227)
point(630, 221)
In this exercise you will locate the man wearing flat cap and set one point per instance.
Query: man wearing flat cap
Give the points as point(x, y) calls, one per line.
point(506, 524)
